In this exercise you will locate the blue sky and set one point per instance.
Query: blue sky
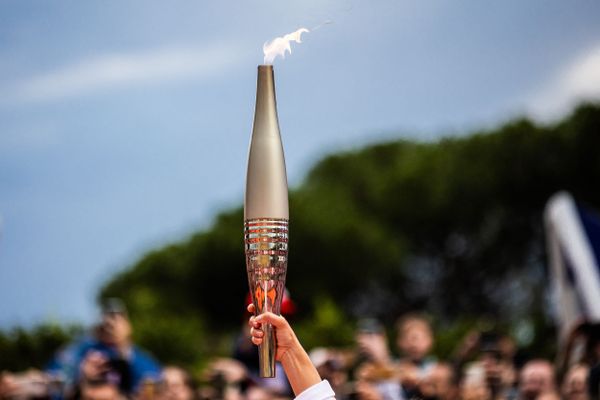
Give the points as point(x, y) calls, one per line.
point(125, 124)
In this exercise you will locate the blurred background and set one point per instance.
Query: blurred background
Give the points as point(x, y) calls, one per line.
point(423, 141)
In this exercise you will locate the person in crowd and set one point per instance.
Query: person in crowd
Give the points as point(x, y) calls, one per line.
point(108, 355)
point(592, 358)
point(103, 390)
point(175, 384)
point(377, 382)
point(301, 373)
point(414, 341)
point(473, 385)
point(375, 374)
point(332, 365)
point(582, 347)
point(256, 392)
point(495, 353)
point(371, 341)
point(229, 379)
point(500, 375)
point(536, 378)
point(574, 385)
point(440, 383)
point(26, 385)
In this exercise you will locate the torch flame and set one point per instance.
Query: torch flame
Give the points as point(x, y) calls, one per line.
point(279, 45)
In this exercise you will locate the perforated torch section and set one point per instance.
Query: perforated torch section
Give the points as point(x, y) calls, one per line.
point(266, 245)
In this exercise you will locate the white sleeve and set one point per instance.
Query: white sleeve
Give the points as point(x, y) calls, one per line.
point(319, 391)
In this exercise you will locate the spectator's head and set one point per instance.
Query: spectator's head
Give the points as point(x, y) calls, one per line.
point(414, 337)
point(439, 383)
point(329, 365)
point(574, 386)
point(536, 378)
point(176, 384)
point(113, 305)
point(100, 391)
point(473, 385)
point(259, 393)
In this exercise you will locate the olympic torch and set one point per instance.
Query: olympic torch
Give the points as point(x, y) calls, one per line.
point(266, 214)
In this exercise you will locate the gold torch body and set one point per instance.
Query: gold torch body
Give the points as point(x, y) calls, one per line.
point(266, 214)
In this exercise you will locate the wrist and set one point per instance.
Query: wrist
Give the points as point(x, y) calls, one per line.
point(293, 354)
point(299, 369)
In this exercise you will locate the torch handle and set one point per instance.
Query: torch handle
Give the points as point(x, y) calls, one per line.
point(266, 352)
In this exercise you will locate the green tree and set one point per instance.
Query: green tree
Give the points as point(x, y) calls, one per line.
point(22, 349)
point(452, 227)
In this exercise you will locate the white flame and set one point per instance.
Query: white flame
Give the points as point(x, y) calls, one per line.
point(278, 46)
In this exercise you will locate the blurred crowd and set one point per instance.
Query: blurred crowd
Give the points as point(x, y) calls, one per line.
point(106, 365)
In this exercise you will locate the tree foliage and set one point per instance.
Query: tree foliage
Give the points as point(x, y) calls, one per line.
point(21, 349)
point(452, 227)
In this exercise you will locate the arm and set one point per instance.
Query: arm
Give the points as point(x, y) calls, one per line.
point(300, 371)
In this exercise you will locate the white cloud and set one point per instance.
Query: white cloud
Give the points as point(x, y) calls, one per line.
point(111, 71)
point(579, 81)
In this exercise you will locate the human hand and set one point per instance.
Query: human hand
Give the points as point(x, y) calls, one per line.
point(298, 368)
point(374, 347)
point(408, 373)
point(284, 335)
point(374, 372)
point(8, 385)
point(367, 391)
point(29, 384)
point(468, 345)
point(93, 366)
point(117, 331)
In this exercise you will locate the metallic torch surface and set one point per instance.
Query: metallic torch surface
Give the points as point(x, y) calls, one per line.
point(266, 214)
